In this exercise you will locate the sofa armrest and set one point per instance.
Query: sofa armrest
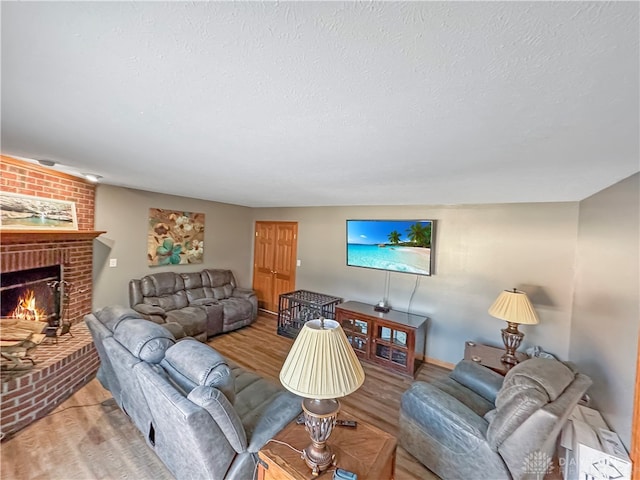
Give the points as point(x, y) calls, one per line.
point(282, 409)
point(482, 380)
point(450, 421)
point(150, 309)
point(218, 406)
point(242, 292)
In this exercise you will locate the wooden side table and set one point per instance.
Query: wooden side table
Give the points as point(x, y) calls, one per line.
point(365, 450)
point(490, 356)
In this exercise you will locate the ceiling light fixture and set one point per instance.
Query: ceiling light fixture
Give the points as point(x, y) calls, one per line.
point(46, 163)
point(92, 177)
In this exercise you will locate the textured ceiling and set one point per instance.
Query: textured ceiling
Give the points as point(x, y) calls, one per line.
point(328, 103)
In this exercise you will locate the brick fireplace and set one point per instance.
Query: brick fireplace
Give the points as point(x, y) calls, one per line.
point(66, 365)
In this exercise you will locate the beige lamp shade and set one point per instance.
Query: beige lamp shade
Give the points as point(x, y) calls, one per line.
point(514, 306)
point(321, 363)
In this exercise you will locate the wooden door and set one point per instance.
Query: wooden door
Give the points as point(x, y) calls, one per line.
point(274, 261)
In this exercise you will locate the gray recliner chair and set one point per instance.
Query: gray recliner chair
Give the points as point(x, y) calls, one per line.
point(203, 415)
point(477, 424)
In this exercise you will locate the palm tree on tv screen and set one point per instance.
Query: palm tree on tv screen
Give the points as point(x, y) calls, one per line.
point(394, 237)
point(420, 235)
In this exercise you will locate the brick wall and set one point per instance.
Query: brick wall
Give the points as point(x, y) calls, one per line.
point(75, 255)
point(64, 367)
point(30, 179)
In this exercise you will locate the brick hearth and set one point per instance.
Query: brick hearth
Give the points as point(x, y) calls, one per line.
point(73, 361)
point(61, 369)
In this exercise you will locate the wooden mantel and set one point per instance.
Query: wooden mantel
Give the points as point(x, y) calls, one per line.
point(13, 236)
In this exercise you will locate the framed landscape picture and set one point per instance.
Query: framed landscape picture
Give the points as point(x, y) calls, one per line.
point(175, 237)
point(27, 212)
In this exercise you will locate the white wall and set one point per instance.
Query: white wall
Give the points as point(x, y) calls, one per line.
point(479, 251)
point(606, 308)
point(124, 214)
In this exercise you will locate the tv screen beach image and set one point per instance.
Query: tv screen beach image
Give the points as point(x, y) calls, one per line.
point(395, 245)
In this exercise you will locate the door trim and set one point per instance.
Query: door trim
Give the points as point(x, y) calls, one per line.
point(635, 425)
point(285, 274)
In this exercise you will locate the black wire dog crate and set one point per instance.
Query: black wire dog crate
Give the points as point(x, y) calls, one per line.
point(296, 308)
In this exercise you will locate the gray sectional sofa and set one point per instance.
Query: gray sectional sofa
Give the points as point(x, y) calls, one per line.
point(197, 304)
point(205, 417)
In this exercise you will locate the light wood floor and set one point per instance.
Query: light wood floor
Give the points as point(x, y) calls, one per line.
point(88, 436)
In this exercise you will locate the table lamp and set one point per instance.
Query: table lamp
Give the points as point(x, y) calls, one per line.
point(514, 307)
point(321, 367)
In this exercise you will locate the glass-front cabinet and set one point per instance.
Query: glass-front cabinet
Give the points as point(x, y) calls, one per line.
point(357, 331)
point(391, 345)
point(395, 340)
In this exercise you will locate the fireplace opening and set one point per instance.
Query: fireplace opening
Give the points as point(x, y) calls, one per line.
point(30, 308)
point(32, 295)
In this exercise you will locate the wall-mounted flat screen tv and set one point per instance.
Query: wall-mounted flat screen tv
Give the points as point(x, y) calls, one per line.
point(404, 246)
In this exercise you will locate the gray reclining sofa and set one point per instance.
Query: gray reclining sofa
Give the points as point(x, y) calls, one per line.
point(197, 304)
point(205, 417)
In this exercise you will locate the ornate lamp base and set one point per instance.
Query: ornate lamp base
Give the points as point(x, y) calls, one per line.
point(319, 420)
point(512, 338)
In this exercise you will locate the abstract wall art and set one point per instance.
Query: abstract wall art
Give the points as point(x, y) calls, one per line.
point(175, 238)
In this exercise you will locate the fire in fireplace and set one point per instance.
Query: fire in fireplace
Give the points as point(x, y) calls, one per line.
point(32, 305)
point(32, 295)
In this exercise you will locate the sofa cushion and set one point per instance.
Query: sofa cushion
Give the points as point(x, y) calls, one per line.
point(190, 363)
point(150, 310)
point(176, 329)
point(192, 319)
point(111, 316)
point(551, 375)
point(263, 407)
point(160, 284)
point(193, 286)
point(236, 308)
point(213, 277)
point(192, 280)
point(169, 302)
point(146, 340)
point(527, 388)
point(219, 293)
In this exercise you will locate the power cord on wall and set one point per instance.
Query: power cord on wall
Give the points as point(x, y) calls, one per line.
point(415, 287)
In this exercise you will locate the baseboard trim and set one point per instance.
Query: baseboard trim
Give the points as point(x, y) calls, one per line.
point(439, 363)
